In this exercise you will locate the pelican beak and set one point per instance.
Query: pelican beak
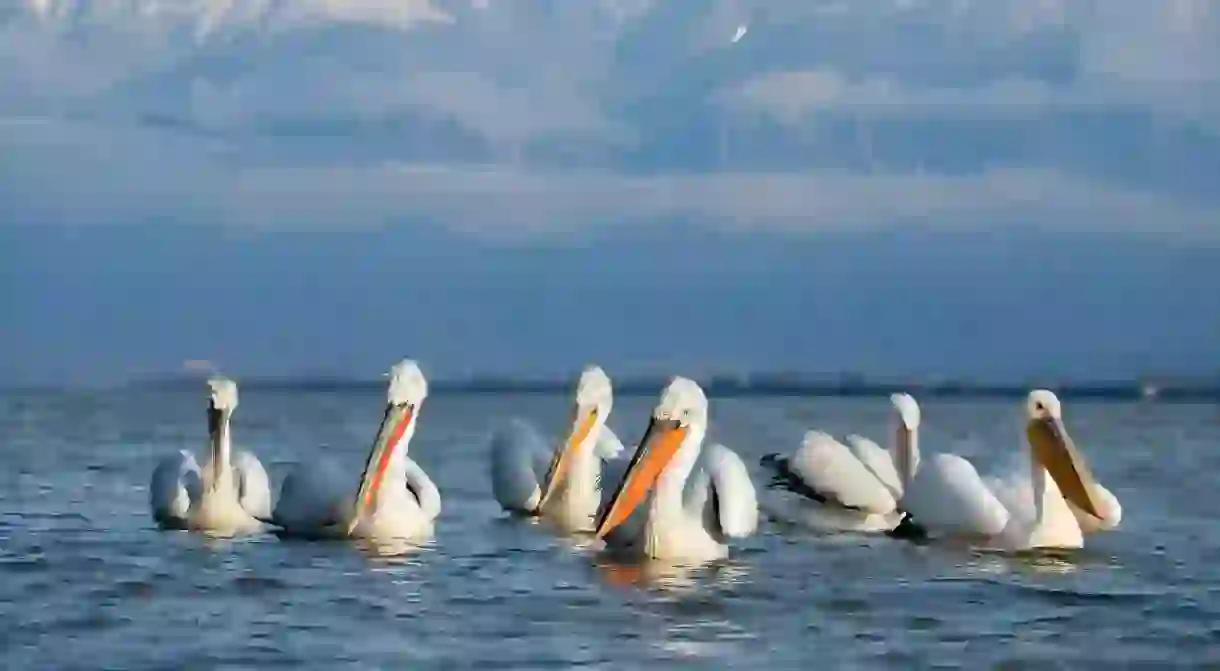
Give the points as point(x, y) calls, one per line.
point(1055, 450)
point(582, 424)
point(393, 426)
point(660, 444)
point(903, 439)
point(216, 428)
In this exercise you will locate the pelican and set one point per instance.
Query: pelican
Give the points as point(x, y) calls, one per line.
point(395, 498)
point(947, 496)
point(562, 487)
point(828, 486)
point(230, 495)
point(693, 506)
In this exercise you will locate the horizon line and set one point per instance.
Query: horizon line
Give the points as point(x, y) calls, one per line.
point(769, 383)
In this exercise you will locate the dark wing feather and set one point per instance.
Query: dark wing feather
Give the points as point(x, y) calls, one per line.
point(783, 478)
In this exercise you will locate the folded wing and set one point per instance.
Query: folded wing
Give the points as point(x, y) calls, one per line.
point(831, 470)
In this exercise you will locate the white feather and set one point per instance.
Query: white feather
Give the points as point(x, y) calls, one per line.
point(520, 458)
point(425, 491)
point(831, 469)
point(948, 495)
point(608, 445)
point(253, 485)
point(176, 482)
point(878, 461)
point(737, 514)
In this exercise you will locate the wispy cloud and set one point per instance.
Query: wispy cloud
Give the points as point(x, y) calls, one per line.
point(91, 174)
point(329, 113)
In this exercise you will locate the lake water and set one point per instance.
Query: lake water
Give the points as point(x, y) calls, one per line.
point(88, 582)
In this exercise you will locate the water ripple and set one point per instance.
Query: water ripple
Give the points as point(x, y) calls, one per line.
point(88, 581)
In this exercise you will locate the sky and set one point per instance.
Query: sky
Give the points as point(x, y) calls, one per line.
point(993, 189)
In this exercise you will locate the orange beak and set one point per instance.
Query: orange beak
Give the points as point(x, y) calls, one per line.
point(581, 426)
point(660, 444)
point(393, 426)
point(1057, 452)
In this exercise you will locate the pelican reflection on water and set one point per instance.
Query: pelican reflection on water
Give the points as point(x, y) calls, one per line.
point(668, 576)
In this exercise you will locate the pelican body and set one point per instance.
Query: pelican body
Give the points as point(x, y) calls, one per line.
point(229, 495)
point(1053, 507)
point(829, 486)
point(692, 500)
point(562, 486)
point(394, 498)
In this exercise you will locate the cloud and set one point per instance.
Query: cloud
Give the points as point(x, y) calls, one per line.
point(975, 58)
point(332, 113)
point(101, 174)
point(797, 97)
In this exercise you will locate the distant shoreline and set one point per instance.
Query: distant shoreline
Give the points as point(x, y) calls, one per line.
point(732, 386)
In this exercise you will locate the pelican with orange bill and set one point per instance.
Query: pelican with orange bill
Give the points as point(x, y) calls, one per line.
point(560, 486)
point(1053, 505)
point(691, 500)
point(394, 499)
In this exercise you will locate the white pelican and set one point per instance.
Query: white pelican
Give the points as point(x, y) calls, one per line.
point(947, 496)
point(693, 507)
point(395, 498)
point(230, 495)
point(561, 485)
point(828, 486)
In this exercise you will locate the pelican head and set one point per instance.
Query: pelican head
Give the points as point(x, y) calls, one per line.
point(906, 438)
point(594, 400)
point(406, 393)
point(908, 410)
point(221, 403)
point(681, 413)
point(1054, 449)
point(224, 393)
point(407, 384)
point(594, 391)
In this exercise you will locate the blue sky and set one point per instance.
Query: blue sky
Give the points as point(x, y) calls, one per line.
point(999, 189)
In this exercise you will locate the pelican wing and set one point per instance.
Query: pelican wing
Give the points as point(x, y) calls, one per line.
point(608, 445)
point(311, 497)
point(253, 485)
point(948, 496)
point(878, 461)
point(425, 491)
point(176, 483)
point(829, 468)
point(520, 458)
point(723, 489)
